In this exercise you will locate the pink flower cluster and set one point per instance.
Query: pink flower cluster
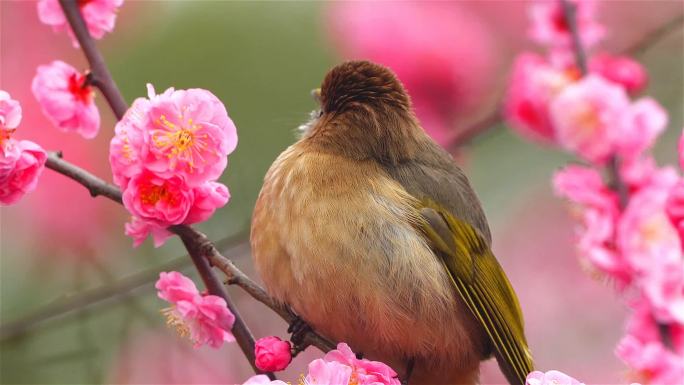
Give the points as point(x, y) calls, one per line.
point(99, 16)
point(166, 154)
point(66, 99)
point(21, 161)
point(205, 319)
point(631, 234)
point(552, 377)
point(341, 367)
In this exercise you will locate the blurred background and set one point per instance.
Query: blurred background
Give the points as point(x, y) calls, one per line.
point(77, 301)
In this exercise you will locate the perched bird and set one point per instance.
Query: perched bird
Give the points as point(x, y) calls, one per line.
point(369, 231)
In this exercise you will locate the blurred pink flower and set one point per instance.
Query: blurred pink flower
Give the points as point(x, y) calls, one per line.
point(162, 201)
point(126, 145)
point(622, 70)
point(674, 207)
point(272, 354)
point(204, 318)
point(549, 26)
point(99, 16)
point(443, 54)
point(65, 100)
point(663, 286)
point(262, 379)
point(645, 235)
point(365, 371)
point(585, 186)
point(652, 362)
point(552, 377)
point(322, 372)
point(533, 85)
point(10, 112)
point(590, 117)
point(647, 120)
point(139, 229)
point(21, 163)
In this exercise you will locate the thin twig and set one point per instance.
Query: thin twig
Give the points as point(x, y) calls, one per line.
point(101, 78)
point(117, 289)
point(613, 166)
point(200, 242)
point(648, 40)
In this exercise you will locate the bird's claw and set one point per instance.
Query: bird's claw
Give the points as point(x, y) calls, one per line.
point(299, 329)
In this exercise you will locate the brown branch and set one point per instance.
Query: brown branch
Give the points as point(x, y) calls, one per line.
point(649, 39)
point(100, 78)
point(193, 239)
point(613, 167)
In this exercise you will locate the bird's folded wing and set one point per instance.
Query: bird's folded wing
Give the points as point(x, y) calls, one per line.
point(480, 281)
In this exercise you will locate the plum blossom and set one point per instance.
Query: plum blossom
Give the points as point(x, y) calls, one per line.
point(651, 362)
point(533, 85)
point(10, 112)
point(139, 230)
point(552, 377)
point(99, 16)
point(363, 370)
point(550, 28)
point(262, 379)
point(162, 201)
point(21, 164)
point(206, 319)
point(66, 99)
point(272, 354)
point(646, 121)
point(590, 116)
point(322, 372)
point(621, 70)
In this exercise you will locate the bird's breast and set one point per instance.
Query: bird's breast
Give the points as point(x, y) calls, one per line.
point(335, 239)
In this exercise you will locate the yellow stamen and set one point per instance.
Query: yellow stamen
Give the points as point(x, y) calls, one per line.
point(172, 320)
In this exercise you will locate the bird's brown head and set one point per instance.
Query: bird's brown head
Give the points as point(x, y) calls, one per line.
point(361, 83)
point(365, 113)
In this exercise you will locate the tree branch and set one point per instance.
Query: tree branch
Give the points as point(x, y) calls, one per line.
point(101, 78)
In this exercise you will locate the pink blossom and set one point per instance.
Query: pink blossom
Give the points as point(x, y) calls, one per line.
point(674, 207)
point(21, 163)
point(365, 371)
point(99, 16)
point(322, 372)
point(164, 202)
point(262, 379)
point(622, 70)
point(208, 197)
point(590, 117)
point(652, 362)
point(60, 90)
point(10, 112)
point(441, 52)
point(204, 318)
point(127, 143)
point(645, 235)
point(646, 120)
point(532, 86)
point(663, 286)
point(585, 186)
point(550, 28)
point(139, 229)
point(552, 377)
point(272, 354)
point(188, 133)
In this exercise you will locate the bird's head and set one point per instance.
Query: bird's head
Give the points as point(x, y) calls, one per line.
point(365, 113)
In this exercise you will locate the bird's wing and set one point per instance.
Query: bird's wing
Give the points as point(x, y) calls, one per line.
point(480, 281)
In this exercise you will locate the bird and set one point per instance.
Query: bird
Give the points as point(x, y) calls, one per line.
point(369, 231)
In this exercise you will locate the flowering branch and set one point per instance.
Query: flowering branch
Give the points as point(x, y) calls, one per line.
point(198, 245)
point(100, 76)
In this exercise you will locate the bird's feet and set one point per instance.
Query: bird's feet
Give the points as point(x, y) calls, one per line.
point(298, 328)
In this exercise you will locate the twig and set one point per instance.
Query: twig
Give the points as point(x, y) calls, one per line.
point(116, 289)
point(101, 78)
point(200, 244)
point(613, 166)
point(647, 41)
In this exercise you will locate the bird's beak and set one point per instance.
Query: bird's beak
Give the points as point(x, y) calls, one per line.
point(316, 95)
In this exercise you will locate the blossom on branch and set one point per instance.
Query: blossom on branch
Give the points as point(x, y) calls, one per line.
point(622, 70)
point(272, 354)
point(10, 112)
point(99, 16)
point(550, 27)
point(66, 98)
point(166, 154)
point(552, 377)
point(205, 319)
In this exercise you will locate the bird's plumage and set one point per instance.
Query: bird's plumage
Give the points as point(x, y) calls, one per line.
point(372, 234)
